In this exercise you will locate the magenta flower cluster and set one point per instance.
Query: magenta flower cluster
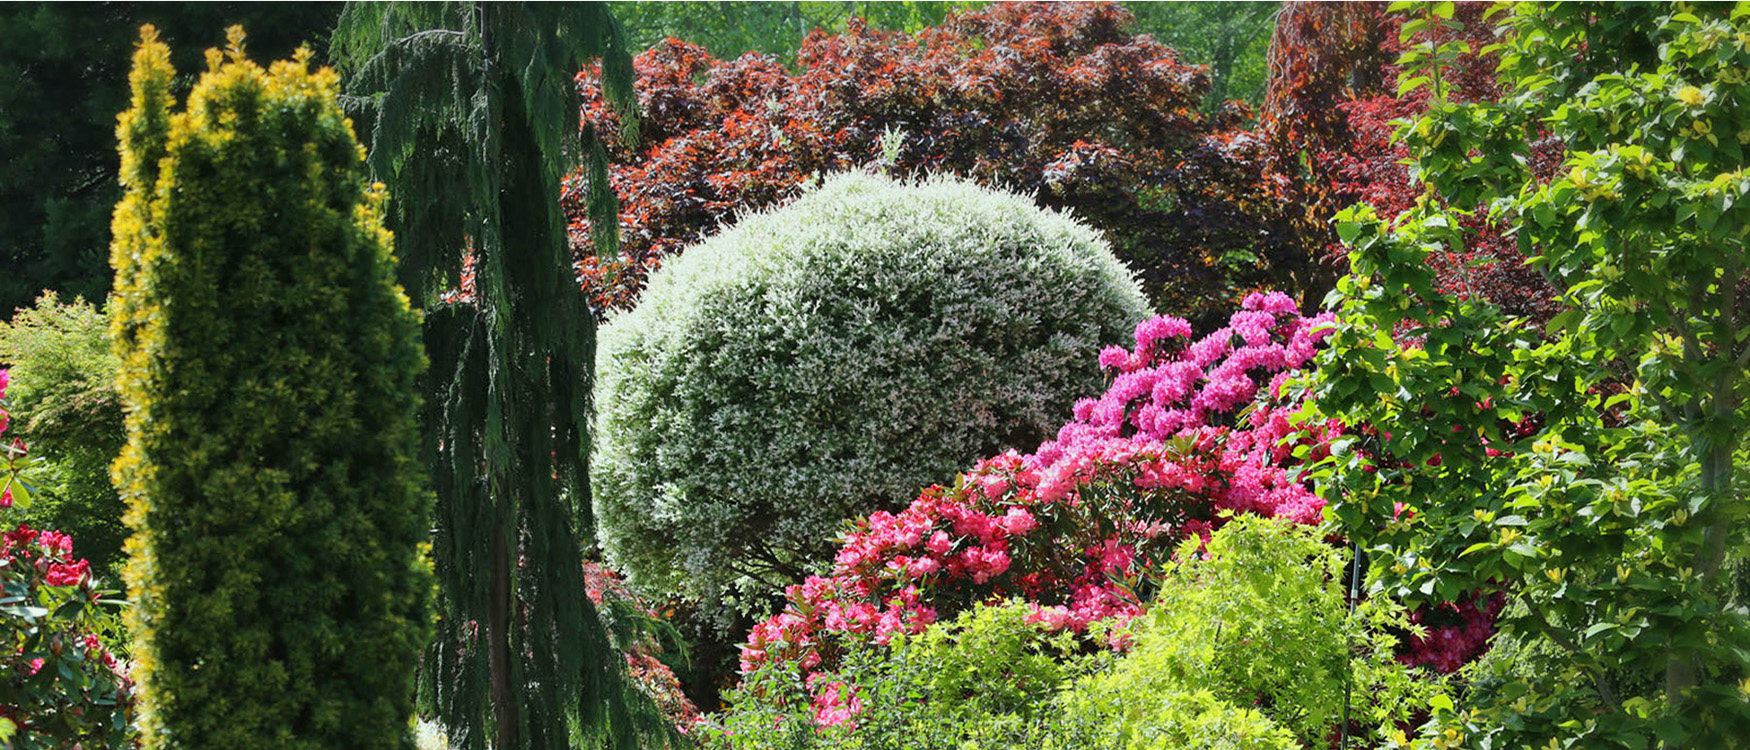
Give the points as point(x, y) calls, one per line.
point(1186, 431)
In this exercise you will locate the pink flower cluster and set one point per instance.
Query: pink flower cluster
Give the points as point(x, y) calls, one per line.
point(50, 553)
point(835, 703)
point(1457, 632)
point(1186, 431)
point(12, 454)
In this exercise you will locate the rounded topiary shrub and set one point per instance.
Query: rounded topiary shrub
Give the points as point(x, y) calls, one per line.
point(828, 359)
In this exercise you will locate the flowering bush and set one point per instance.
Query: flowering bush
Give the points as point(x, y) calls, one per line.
point(59, 686)
point(1062, 101)
point(826, 359)
point(1188, 433)
point(1186, 430)
point(1192, 677)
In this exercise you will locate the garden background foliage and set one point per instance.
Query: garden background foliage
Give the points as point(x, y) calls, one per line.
point(65, 406)
point(1061, 101)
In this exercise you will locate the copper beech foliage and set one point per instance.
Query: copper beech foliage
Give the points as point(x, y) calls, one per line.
point(1061, 101)
point(1335, 97)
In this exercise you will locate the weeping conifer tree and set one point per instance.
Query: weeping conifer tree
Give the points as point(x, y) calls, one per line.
point(472, 116)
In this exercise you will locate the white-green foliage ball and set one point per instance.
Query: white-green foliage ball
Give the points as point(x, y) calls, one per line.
point(833, 357)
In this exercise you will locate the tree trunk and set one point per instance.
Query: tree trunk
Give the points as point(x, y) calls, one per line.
point(498, 624)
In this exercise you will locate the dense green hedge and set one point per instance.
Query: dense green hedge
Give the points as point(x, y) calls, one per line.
point(267, 368)
point(827, 359)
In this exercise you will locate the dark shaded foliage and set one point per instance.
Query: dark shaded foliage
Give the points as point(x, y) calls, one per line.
point(63, 76)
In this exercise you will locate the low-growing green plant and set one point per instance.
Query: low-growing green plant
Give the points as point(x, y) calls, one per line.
point(1251, 644)
point(988, 678)
point(1176, 719)
point(1257, 619)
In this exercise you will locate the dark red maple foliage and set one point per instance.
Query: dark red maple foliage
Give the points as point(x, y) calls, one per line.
point(1059, 100)
point(1331, 110)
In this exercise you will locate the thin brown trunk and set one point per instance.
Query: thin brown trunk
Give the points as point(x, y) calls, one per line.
point(499, 613)
point(498, 621)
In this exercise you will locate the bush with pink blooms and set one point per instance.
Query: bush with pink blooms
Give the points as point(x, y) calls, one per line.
point(1249, 644)
point(1190, 433)
point(59, 685)
point(1187, 430)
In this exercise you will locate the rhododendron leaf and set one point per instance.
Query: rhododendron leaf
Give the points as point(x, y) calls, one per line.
point(22, 494)
point(70, 608)
point(26, 611)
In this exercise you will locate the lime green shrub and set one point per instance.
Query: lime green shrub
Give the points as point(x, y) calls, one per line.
point(65, 406)
point(824, 360)
point(987, 679)
point(267, 365)
point(1251, 644)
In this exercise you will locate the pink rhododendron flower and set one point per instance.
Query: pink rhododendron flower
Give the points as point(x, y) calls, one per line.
point(61, 574)
point(55, 543)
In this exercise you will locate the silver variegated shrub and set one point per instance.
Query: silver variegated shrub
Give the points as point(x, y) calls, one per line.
point(829, 358)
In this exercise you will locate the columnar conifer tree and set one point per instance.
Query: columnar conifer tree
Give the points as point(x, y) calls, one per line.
point(474, 119)
point(269, 368)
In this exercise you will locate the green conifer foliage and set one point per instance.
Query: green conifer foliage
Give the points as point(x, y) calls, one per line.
point(473, 119)
point(268, 366)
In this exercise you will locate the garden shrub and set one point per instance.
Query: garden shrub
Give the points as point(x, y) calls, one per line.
point(826, 359)
point(1180, 719)
point(65, 406)
point(59, 684)
point(1258, 618)
point(986, 679)
point(1062, 101)
point(268, 363)
point(1250, 643)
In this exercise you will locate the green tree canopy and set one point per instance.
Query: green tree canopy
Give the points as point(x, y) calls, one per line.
point(1593, 470)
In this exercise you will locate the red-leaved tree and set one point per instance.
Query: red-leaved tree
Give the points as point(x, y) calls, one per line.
point(1059, 100)
point(1334, 103)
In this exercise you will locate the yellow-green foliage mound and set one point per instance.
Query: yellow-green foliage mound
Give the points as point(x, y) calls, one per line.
point(267, 367)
